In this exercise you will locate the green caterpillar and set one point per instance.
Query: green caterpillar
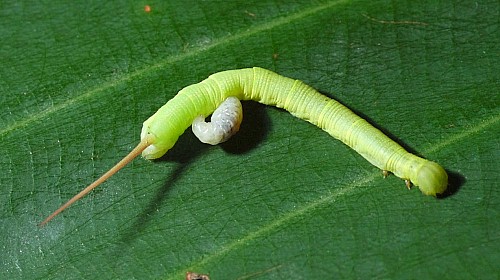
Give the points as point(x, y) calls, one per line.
point(161, 131)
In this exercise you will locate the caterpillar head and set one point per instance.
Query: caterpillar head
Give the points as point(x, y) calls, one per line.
point(431, 178)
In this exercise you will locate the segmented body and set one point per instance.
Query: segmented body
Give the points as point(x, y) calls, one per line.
point(170, 121)
point(161, 131)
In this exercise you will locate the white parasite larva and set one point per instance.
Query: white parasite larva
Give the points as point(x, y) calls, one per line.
point(225, 122)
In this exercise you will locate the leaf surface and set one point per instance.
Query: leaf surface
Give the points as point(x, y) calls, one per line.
point(282, 199)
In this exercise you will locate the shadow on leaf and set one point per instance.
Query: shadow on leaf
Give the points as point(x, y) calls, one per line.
point(455, 182)
point(188, 148)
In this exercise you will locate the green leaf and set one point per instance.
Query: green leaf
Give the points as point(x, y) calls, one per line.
point(282, 199)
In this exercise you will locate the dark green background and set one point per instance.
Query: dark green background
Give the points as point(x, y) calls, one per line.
point(282, 199)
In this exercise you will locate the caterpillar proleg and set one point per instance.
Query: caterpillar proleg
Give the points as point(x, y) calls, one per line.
point(161, 131)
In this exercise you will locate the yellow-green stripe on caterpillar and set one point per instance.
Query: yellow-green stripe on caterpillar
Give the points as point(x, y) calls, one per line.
point(161, 131)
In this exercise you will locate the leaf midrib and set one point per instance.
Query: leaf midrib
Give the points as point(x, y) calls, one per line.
point(341, 191)
point(148, 70)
